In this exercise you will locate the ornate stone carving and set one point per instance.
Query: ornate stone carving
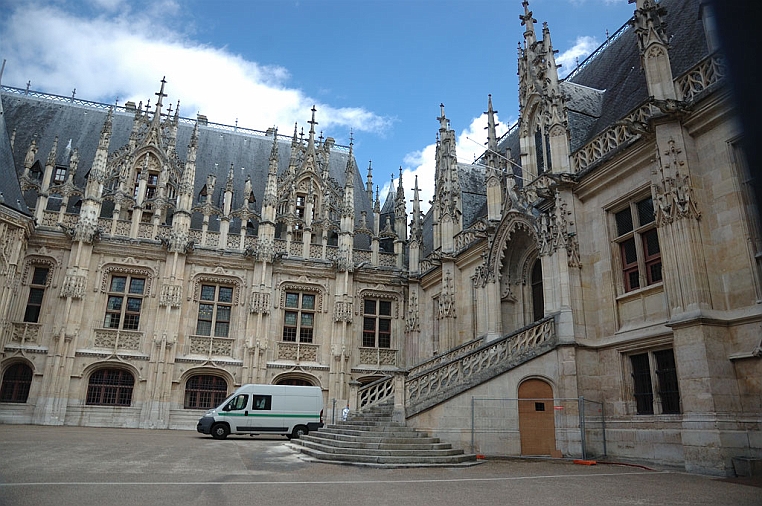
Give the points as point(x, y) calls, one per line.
point(447, 297)
point(200, 279)
point(25, 332)
point(342, 311)
point(33, 261)
point(649, 25)
point(673, 196)
point(379, 293)
point(412, 323)
point(378, 356)
point(73, 286)
point(113, 339)
point(259, 302)
point(133, 271)
point(317, 289)
point(171, 295)
point(297, 352)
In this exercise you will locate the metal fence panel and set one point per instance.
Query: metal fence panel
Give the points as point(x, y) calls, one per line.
point(578, 427)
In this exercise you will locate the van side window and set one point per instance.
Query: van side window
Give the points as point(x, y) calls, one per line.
point(261, 402)
point(237, 403)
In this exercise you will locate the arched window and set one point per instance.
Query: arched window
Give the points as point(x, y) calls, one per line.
point(110, 387)
point(538, 303)
point(16, 382)
point(205, 391)
point(295, 381)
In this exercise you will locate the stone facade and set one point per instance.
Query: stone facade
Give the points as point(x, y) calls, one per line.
point(143, 279)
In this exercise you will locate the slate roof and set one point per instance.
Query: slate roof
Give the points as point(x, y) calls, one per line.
point(615, 68)
point(218, 146)
point(610, 83)
point(10, 188)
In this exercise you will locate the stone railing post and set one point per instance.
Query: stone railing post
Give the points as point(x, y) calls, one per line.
point(353, 401)
point(398, 415)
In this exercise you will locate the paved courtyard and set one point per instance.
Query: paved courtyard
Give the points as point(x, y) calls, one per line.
point(93, 466)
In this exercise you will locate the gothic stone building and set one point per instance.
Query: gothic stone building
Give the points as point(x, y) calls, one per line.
point(606, 248)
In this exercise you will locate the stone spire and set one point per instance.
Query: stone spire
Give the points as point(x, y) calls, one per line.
point(400, 213)
point(98, 171)
point(448, 211)
point(369, 182)
point(310, 154)
point(416, 223)
point(543, 134)
point(654, 48)
point(348, 210)
point(153, 137)
point(492, 160)
point(179, 241)
point(86, 229)
point(47, 176)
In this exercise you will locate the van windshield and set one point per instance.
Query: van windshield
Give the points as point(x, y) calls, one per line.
point(236, 403)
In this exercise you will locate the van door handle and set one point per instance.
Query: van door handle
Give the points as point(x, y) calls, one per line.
point(246, 413)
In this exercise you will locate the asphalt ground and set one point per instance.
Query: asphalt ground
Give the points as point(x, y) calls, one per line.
point(62, 466)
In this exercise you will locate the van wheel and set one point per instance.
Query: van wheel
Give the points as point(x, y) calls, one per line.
point(220, 431)
point(299, 431)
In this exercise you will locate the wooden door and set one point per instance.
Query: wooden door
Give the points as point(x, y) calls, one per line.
point(536, 423)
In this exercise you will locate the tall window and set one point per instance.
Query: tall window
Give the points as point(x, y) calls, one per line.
point(125, 300)
point(377, 323)
point(16, 382)
point(655, 368)
point(152, 182)
point(299, 318)
point(638, 244)
point(538, 303)
point(205, 391)
point(36, 291)
point(214, 311)
point(299, 209)
point(110, 387)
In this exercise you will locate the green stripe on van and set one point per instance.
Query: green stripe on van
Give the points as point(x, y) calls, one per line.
point(270, 415)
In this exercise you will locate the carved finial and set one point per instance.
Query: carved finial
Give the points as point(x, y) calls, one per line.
point(161, 93)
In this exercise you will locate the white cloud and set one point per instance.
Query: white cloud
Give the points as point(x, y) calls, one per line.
point(470, 143)
point(583, 46)
point(111, 56)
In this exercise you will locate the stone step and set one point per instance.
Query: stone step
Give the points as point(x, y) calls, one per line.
point(367, 421)
point(377, 443)
point(377, 452)
point(391, 461)
point(373, 427)
point(375, 419)
point(341, 439)
point(380, 433)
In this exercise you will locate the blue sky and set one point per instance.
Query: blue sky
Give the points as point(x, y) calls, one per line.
point(377, 67)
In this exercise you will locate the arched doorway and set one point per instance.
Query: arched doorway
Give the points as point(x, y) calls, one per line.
point(536, 418)
point(517, 273)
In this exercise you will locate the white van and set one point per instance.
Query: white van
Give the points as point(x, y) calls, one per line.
point(292, 411)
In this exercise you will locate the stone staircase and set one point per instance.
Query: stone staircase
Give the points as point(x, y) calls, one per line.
point(371, 439)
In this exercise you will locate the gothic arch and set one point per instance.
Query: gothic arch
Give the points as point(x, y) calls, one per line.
point(305, 286)
point(32, 261)
point(211, 371)
point(510, 223)
point(298, 376)
point(16, 359)
point(513, 253)
point(222, 279)
point(109, 364)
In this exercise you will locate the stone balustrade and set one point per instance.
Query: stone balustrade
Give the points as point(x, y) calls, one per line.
point(440, 378)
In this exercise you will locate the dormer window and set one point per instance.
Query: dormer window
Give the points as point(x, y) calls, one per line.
point(59, 175)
